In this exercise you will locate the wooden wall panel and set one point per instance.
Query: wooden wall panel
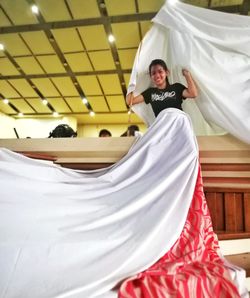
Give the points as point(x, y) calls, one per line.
point(247, 211)
point(215, 204)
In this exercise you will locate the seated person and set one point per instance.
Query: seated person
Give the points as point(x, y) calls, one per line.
point(104, 133)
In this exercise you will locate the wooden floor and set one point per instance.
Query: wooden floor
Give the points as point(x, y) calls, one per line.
point(241, 260)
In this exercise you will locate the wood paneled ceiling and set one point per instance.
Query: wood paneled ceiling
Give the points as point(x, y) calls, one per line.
point(53, 60)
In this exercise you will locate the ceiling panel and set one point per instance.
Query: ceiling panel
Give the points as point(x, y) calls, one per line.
point(110, 84)
point(116, 103)
point(29, 65)
point(65, 86)
point(59, 105)
point(14, 44)
point(51, 64)
point(98, 103)
point(37, 104)
point(22, 105)
point(100, 41)
point(147, 6)
point(46, 87)
point(38, 42)
point(225, 2)
point(127, 58)
point(126, 78)
point(78, 62)
point(23, 87)
point(84, 9)
point(68, 40)
point(19, 11)
point(89, 85)
point(201, 3)
point(76, 104)
point(6, 109)
point(102, 60)
point(115, 7)
point(4, 21)
point(7, 90)
point(145, 27)
point(53, 11)
point(123, 36)
point(7, 68)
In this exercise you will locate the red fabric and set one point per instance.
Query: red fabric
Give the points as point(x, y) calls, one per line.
point(192, 268)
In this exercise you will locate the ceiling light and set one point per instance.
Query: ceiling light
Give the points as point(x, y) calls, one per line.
point(20, 114)
point(1, 47)
point(45, 102)
point(35, 9)
point(172, 2)
point(129, 112)
point(111, 38)
point(6, 101)
point(102, 5)
point(55, 114)
point(84, 100)
point(92, 114)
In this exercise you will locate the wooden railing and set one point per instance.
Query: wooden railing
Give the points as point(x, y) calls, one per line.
point(225, 164)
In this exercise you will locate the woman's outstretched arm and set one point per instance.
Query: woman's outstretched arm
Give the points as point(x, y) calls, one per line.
point(191, 90)
point(131, 99)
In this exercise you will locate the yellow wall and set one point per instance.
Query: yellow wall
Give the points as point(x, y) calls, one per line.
point(115, 129)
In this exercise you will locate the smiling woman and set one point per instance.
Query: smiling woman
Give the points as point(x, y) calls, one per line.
point(164, 95)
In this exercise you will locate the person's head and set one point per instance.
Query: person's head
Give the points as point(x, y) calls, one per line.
point(131, 130)
point(63, 131)
point(104, 133)
point(159, 73)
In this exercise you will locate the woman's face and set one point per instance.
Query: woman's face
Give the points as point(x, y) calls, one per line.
point(158, 76)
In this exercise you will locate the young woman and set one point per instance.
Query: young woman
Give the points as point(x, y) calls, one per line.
point(164, 95)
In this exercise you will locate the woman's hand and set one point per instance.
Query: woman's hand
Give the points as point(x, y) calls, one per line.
point(185, 72)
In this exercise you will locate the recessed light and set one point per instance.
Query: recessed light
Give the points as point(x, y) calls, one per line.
point(45, 102)
point(111, 38)
point(84, 100)
point(35, 9)
point(20, 114)
point(6, 101)
point(102, 5)
point(55, 114)
point(1, 47)
point(92, 114)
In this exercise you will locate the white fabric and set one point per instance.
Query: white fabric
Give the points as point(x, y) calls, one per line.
point(215, 47)
point(68, 233)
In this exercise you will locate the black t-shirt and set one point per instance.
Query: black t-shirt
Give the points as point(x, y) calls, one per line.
point(160, 99)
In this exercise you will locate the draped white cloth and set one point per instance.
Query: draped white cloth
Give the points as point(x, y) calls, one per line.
point(69, 233)
point(215, 47)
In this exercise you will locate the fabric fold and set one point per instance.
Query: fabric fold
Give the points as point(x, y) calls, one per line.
point(67, 233)
point(215, 48)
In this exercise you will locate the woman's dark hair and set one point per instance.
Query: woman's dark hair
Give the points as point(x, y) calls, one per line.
point(158, 62)
point(105, 133)
point(63, 131)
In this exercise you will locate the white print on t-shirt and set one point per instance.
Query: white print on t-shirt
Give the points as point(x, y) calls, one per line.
point(163, 96)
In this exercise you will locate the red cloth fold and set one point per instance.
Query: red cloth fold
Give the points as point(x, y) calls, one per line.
point(192, 267)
